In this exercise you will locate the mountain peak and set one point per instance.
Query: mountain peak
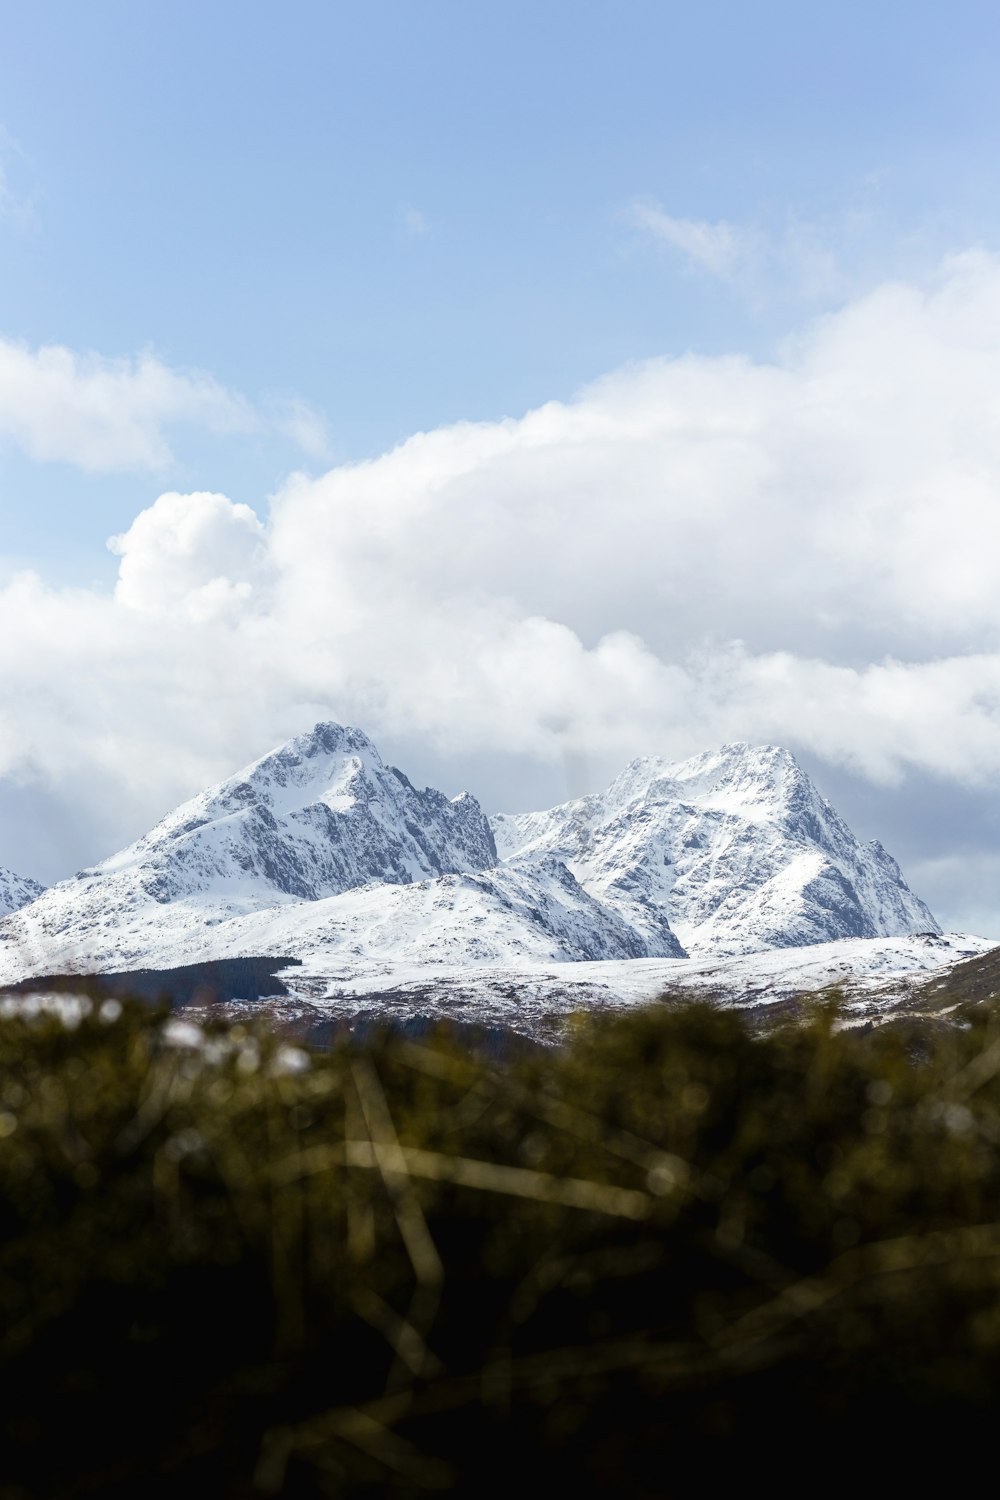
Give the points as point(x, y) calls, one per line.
point(738, 756)
point(737, 774)
point(325, 753)
point(735, 847)
point(326, 738)
point(313, 818)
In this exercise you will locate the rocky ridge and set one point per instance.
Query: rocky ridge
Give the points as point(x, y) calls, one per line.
point(321, 851)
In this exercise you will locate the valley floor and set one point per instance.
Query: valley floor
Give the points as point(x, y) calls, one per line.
point(878, 976)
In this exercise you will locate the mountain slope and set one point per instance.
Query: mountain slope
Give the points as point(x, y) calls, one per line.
point(876, 977)
point(735, 849)
point(514, 913)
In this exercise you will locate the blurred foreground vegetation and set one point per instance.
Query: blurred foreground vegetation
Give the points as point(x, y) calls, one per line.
point(670, 1255)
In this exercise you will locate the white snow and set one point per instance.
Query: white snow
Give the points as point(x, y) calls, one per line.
point(320, 852)
point(875, 975)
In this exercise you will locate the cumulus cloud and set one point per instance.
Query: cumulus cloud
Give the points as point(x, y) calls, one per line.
point(805, 551)
point(198, 554)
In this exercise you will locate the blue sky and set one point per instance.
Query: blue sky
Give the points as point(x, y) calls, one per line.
point(405, 214)
point(719, 286)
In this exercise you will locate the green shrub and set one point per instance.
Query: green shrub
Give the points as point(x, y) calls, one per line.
point(634, 1265)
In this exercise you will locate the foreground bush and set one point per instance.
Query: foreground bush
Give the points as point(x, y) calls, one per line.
point(671, 1255)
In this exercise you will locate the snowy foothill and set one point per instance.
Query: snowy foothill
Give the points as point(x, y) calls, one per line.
point(873, 977)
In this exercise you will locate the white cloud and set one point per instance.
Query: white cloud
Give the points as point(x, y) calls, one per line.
point(105, 414)
point(306, 427)
point(415, 224)
point(792, 261)
point(197, 554)
point(692, 550)
point(720, 248)
point(16, 206)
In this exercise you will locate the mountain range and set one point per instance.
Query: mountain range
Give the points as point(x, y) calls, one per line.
point(320, 851)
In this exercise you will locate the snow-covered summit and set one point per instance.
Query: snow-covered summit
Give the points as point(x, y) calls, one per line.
point(735, 849)
point(319, 815)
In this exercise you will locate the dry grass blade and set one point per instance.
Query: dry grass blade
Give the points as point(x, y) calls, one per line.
point(466, 1171)
point(666, 1169)
point(895, 1257)
point(152, 1107)
point(406, 1341)
point(361, 1429)
point(975, 1074)
point(388, 1156)
point(523, 1182)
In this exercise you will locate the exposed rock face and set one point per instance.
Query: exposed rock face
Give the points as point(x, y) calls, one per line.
point(317, 816)
point(735, 849)
point(16, 891)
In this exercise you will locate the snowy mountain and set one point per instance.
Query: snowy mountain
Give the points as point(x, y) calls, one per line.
point(16, 891)
point(318, 816)
point(736, 849)
point(319, 851)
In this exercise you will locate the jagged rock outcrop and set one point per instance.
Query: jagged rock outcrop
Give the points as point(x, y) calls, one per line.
point(735, 849)
point(16, 891)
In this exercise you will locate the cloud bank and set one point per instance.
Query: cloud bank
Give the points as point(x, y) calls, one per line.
point(691, 550)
